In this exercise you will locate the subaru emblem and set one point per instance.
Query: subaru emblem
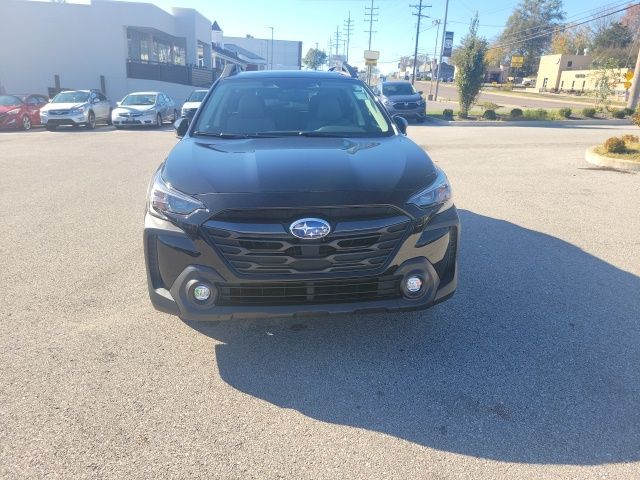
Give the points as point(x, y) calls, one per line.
point(309, 228)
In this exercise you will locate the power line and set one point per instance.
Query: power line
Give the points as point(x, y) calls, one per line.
point(415, 54)
point(348, 30)
point(561, 29)
point(371, 15)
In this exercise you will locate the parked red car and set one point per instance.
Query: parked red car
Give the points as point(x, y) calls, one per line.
point(21, 111)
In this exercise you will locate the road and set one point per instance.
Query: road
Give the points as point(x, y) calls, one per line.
point(448, 98)
point(530, 371)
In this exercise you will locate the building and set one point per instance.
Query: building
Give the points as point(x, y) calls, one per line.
point(552, 66)
point(286, 54)
point(221, 56)
point(114, 46)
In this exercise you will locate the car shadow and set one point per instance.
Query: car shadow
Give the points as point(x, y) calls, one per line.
point(534, 360)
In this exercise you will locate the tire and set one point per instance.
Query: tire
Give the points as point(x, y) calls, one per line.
point(109, 122)
point(118, 127)
point(158, 121)
point(91, 121)
point(51, 128)
point(420, 119)
point(26, 123)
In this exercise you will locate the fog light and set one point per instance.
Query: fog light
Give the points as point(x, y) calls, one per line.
point(201, 293)
point(414, 284)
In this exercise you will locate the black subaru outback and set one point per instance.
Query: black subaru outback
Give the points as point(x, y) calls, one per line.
point(296, 193)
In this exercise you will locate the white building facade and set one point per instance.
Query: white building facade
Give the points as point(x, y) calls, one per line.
point(285, 54)
point(114, 46)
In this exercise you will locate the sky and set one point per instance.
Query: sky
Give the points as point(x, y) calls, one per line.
point(312, 21)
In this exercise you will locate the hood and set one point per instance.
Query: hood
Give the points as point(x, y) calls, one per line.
point(404, 98)
point(191, 104)
point(62, 106)
point(134, 108)
point(6, 108)
point(298, 165)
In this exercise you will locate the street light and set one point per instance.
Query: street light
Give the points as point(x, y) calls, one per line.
point(271, 62)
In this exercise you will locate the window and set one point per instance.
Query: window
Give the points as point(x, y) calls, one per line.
point(583, 84)
point(544, 83)
point(561, 84)
point(398, 89)
point(139, 99)
point(71, 97)
point(573, 84)
point(179, 55)
point(33, 101)
point(570, 64)
point(101, 97)
point(144, 50)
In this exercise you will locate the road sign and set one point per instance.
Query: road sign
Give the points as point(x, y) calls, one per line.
point(371, 55)
point(371, 62)
point(629, 75)
point(627, 85)
point(517, 62)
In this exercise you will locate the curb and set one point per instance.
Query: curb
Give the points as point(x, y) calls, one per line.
point(529, 123)
point(600, 160)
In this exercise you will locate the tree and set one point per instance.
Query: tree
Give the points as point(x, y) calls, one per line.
point(314, 58)
point(606, 78)
point(614, 43)
point(469, 58)
point(529, 29)
point(571, 41)
point(631, 19)
point(495, 56)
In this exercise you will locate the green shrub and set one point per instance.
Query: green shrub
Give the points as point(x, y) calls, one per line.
point(589, 112)
point(489, 115)
point(565, 112)
point(628, 111)
point(635, 118)
point(628, 138)
point(618, 114)
point(539, 114)
point(615, 145)
point(447, 114)
point(516, 113)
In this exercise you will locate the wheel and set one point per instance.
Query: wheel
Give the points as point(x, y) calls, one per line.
point(109, 122)
point(118, 127)
point(51, 128)
point(159, 121)
point(26, 123)
point(420, 119)
point(91, 121)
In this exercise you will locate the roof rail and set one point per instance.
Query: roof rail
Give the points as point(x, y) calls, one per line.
point(230, 69)
point(345, 69)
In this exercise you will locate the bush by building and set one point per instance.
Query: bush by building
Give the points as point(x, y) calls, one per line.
point(615, 145)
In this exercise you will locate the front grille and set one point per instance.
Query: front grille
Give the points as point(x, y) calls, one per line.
point(405, 105)
point(317, 292)
point(129, 114)
point(355, 244)
point(59, 112)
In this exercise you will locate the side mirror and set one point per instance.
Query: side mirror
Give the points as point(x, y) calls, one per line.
point(118, 104)
point(95, 100)
point(401, 123)
point(420, 92)
point(181, 125)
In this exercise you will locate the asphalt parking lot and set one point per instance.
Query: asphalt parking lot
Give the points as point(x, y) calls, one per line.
point(530, 371)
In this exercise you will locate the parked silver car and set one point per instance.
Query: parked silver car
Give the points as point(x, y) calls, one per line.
point(144, 108)
point(75, 108)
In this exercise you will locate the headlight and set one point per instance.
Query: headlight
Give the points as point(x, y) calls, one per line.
point(15, 111)
point(77, 110)
point(44, 112)
point(165, 201)
point(438, 193)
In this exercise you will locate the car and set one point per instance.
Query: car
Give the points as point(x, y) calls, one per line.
point(76, 108)
point(190, 106)
point(21, 111)
point(296, 193)
point(401, 98)
point(149, 109)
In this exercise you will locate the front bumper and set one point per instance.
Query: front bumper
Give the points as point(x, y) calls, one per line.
point(178, 260)
point(419, 112)
point(142, 120)
point(10, 121)
point(67, 119)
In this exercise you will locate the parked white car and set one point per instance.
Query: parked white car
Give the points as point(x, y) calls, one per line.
point(75, 108)
point(190, 107)
point(150, 109)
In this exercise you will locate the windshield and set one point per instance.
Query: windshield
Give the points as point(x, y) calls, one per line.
point(397, 89)
point(71, 97)
point(139, 99)
point(292, 106)
point(9, 100)
point(197, 96)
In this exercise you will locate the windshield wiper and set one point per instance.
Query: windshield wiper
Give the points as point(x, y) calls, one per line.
point(315, 133)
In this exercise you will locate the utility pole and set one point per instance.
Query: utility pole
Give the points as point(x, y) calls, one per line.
point(415, 54)
point(271, 68)
point(444, 32)
point(337, 39)
point(632, 103)
point(435, 54)
point(370, 15)
point(348, 30)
